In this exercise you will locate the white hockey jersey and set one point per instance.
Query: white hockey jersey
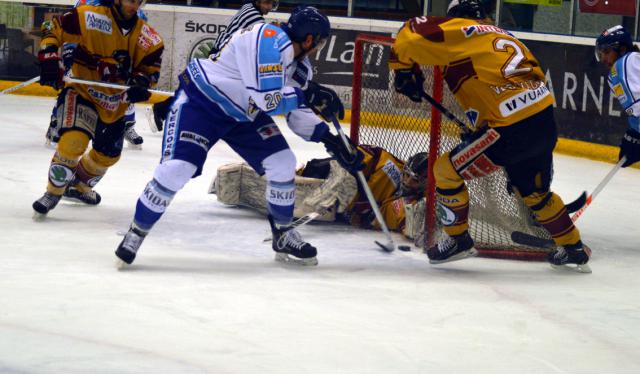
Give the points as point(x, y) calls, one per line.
point(256, 71)
point(624, 80)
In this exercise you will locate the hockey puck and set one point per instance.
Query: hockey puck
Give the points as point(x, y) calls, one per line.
point(404, 248)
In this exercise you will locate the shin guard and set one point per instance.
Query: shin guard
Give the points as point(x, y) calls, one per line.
point(549, 210)
point(452, 197)
point(63, 166)
point(91, 169)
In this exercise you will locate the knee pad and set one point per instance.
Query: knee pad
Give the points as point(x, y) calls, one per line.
point(280, 166)
point(446, 176)
point(71, 146)
point(174, 174)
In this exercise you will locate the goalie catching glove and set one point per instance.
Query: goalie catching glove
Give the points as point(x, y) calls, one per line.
point(630, 147)
point(323, 101)
point(410, 82)
point(350, 159)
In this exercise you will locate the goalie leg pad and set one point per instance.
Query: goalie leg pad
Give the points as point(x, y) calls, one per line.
point(549, 210)
point(469, 158)
point(239, 184)
point(338, 190)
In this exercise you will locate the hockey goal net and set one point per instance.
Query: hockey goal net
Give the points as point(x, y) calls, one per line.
point(381, 117)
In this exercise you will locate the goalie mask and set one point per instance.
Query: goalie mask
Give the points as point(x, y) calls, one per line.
point(414, 175)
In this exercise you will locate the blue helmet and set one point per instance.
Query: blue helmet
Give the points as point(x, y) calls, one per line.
point(614, 38)
point(307, 20)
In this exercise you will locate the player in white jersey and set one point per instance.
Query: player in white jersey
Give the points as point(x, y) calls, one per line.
point(232, 97)
point(615, 49)
point(251, 13)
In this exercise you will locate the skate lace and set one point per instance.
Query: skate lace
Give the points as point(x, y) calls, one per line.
point(132, 241)
point(49, 200)
point(446, 243)
point(131, 133)
point(291, 238)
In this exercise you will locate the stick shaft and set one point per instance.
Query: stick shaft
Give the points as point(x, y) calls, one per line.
point(110, 85)
point(365, 186)
point(599, 188)
point(463, 127)
point(19, 86)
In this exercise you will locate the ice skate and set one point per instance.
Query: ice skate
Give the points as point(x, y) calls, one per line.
point(452, 248)
point(571, 257)
point(90, 197)
point(43, 205)
point(126, 251)
point(133, 138)
point(290, 247)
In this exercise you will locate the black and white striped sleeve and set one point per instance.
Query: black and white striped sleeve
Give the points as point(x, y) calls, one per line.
point(247, 15)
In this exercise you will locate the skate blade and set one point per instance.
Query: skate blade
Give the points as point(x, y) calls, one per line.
point(134, 147)
point(460, 256)
point(584, 268)
point(121, 265)
point(39, 217)
point(285, 258)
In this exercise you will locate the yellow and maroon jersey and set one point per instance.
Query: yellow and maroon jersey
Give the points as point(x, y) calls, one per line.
point(383, 172)
point(494, 77)
point(106, 49)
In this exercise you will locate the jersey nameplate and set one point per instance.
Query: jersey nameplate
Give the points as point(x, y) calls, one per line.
point(98, 22)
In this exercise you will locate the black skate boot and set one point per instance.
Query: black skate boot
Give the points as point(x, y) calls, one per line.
point(131, 136)
point(572, 257)
point(90, 197)
point(290, 247)
point(129, 246)
point(452, 248)
point(43, 205)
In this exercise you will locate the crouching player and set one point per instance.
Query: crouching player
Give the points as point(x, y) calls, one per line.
point(324, 187)
point(111, 45)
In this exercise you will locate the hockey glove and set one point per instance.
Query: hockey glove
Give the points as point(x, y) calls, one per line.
point(630, 147)
point(352, 162)
point(139, 90)
point(51, 70)
point(410, 82)
point(323, 101)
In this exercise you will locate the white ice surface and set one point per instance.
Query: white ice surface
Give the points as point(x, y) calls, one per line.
point(205, 295)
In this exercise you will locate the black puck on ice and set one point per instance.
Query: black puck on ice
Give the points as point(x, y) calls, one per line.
point(404, 248)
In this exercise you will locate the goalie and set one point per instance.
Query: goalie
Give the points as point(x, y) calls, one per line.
point(324, 187)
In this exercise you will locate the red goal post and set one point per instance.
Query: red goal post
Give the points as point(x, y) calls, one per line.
point(381, 117)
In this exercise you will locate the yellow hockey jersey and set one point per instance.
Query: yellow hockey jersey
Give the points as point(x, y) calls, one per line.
point(383, 172)
point(494, 77)
point(106, 49)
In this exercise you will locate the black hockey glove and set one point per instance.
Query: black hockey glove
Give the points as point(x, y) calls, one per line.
point(139, 90)
point(352, 162)
point(160, 111)
point(323, 101)
point(410, 82)
point(51, 70)
point(630, 147)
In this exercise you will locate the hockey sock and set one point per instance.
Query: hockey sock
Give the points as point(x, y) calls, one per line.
point(550, 212)
point(452, 197)
point(71, 146)
point(151, 205)
point(281, 197)
point(91, 169)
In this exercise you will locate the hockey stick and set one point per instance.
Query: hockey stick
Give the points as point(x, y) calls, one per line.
point(534, 241)
point(110, 85)
point(389, 246)
point(20, 85)
point(297, 223)
point(463, 127)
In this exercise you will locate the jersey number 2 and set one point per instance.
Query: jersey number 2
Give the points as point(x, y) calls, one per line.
point(511, 67)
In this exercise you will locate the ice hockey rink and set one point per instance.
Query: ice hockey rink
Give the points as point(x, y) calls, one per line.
point(206, 296)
